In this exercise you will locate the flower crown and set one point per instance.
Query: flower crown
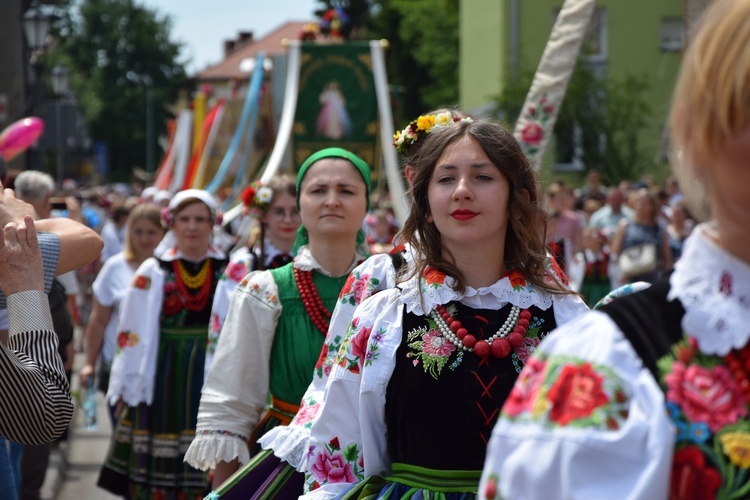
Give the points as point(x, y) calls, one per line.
point(256, 198)
point(418, 129)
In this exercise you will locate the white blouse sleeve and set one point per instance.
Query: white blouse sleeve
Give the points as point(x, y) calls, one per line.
point(241, 264)
point(290, 443)
point(584, 420)
point(236, 388)
point(348, 435)
point(567, 308)
point(134, 364)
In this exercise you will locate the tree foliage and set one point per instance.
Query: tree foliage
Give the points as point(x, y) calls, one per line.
point(600, 118)
point(114, 50)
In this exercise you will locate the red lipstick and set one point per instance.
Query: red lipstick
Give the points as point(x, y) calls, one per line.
point(463, 214)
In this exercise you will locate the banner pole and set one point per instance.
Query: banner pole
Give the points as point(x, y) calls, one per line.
point(390, 160)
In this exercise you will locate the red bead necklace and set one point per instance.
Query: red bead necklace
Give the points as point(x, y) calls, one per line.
point(511, 334)
point(738, 362)
point(198, 301)
point(319, 314)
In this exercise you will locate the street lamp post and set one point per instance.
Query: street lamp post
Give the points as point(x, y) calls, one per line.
point(60, 88)
point(36, 24)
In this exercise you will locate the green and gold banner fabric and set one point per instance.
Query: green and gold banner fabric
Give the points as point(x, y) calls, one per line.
point(337, 105)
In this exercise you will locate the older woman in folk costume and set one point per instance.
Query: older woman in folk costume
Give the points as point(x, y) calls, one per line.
point(157, 370)
point(647, 397)
point(274, 205)
point(263, 352)
point(424, 367)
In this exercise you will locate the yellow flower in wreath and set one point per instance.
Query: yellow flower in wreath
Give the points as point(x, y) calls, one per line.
point(425, 122)
point(736, 446)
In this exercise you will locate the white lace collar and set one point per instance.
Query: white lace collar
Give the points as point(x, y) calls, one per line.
point(304, 261)
point(436, 290)
point(714, 288)
point(174, 253)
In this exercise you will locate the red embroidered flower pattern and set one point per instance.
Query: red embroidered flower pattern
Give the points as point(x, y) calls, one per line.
point(142, 282)
point(359, 342)
point(332, 469)
point(359, 288)
point(433, 276)
point(710, 396)
point(172, 304)
point(306, 414)
point(532, 133)
point(322, 357)
point(576, 394)
point(691, 477)
point(236, 271)
point(525, 390)
point(347, 286)
point(557, 270)
point(122, 339)
point(726, 284)
point(517, 279)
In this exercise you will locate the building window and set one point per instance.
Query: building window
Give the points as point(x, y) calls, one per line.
point(671, 34)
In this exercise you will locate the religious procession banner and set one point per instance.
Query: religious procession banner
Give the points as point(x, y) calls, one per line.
point(537, 121)
point(337, 105)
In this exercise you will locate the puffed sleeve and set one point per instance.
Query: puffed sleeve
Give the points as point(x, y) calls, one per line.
point(240, 265)
point(584, 420)
point(236, 388)
point(290, 443)
point(347, 438)
point(134, 364)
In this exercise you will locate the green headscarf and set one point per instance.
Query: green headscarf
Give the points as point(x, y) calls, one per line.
point(360, 164)
point(364, 170)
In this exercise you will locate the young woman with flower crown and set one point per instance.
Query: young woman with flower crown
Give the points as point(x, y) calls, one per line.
point(157, 371)
point(649, 396)
point(274, 205)
point(263, 353)
point(424, 368)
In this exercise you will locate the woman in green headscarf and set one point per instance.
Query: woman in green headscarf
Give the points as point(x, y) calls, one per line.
point(265, 359)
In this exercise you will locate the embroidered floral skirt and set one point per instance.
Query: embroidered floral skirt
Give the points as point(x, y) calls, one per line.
point(417, 483)
point(149, 442)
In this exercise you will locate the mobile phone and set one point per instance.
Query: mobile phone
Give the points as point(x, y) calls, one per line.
point(58, 204)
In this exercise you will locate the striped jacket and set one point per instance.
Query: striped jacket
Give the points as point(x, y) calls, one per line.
point(35, 403)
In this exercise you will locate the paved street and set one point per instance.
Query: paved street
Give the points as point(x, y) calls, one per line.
point(74, 467)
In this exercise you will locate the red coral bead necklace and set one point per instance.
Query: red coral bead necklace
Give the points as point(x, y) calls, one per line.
point(510, 334)
point(185, 283)
point(319, 314)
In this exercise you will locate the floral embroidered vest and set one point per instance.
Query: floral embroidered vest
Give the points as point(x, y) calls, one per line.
point(706, 396)
point(441, 403)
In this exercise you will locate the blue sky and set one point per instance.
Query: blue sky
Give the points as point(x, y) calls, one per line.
point(203, 25)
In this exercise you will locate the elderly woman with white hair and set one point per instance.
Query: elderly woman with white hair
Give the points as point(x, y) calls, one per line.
point(157, 371)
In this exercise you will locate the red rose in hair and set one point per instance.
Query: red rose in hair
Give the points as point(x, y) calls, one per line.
point(247, 196)
point(576, 394)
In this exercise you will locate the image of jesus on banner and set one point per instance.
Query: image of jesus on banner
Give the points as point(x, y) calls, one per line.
point(333, 119)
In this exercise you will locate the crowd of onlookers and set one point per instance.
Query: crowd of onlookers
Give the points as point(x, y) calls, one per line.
point(592, 227)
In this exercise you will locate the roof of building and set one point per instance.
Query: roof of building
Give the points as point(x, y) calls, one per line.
point(230, 67)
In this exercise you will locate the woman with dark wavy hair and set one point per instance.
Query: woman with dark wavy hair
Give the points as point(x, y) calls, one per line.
point(425, 367)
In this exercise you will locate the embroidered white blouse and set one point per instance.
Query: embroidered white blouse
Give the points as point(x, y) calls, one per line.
point(134, 368)
point(241, 262)
point(353, 415)
point(290, 443)
point(236, 389)
point(621, 446)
